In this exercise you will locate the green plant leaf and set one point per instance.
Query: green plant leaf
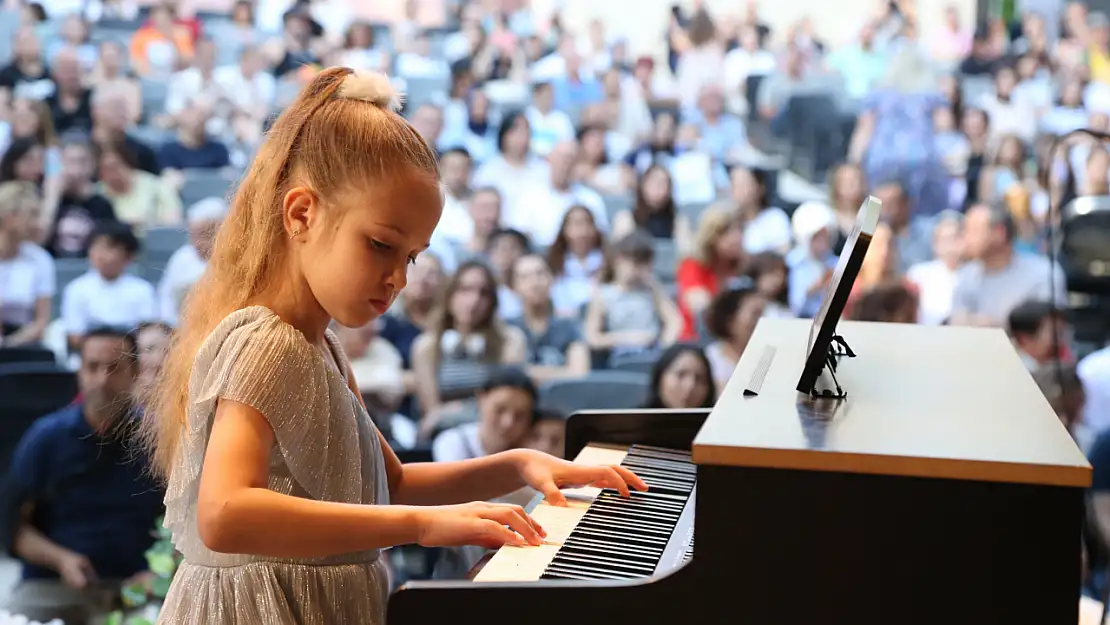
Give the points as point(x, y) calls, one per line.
point(161, 564)
point(160, 587)
point(134, 595)
point(115, 618)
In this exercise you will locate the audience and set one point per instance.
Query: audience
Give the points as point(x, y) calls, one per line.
point(598, 207)
point(85, 500)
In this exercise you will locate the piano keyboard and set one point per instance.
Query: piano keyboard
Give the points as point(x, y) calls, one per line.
point(601, 535)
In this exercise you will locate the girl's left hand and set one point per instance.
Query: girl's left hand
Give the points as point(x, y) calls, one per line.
point(548, 474)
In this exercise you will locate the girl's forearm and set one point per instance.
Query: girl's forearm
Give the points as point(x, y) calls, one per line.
point(445, 483)
point(245, 523)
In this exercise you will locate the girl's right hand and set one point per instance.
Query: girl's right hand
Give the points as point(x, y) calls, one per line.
point(478, 523)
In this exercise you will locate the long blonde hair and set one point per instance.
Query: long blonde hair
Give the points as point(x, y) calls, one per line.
point(341, 130)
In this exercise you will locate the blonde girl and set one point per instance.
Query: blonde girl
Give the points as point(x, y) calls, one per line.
point(281, 493)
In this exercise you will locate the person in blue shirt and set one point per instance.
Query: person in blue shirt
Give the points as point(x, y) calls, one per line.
point(84, 502)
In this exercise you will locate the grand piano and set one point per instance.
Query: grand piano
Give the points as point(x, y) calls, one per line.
point(941, 489)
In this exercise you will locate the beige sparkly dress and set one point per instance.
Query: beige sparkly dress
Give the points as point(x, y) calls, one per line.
point(326, 448)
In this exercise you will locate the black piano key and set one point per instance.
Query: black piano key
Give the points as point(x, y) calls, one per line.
point(625, 537)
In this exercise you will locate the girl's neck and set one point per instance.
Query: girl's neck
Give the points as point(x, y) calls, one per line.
point(580, 254)
point(516, 160)
point(733, 350)
point(292, 301)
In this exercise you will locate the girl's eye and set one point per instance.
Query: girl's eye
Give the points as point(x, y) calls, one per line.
point(385, 247)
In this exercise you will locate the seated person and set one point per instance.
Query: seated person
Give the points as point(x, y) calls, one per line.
point(85, 504)
point(379, 369)
point(548, 434)
point(555, 346)
point(505, 408)
point(106, 295)
point(630, 313)
point(1035, 328)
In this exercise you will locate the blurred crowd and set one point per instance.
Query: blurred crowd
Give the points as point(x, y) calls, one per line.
point(615, 225)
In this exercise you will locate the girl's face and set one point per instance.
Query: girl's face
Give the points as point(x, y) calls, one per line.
point(73, 30)
point(730, 245)
point(548, 436)
point(743, 322)
point(361, 36)
point(580, 231)
point(685, 383)
point(771, 283)
point(1009, 153)
point(532, 280)
point(656, 187)
point(355, 251)
point(517, 138)
point(745, 187)
point(471, 302)
point(628, 272)
point(31, 167)
point(506, 418)
point(24, 118)
point(1027, 67)
point(503, 252)
point(241, 13)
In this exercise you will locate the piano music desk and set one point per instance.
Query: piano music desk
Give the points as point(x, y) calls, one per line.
point(943, 489)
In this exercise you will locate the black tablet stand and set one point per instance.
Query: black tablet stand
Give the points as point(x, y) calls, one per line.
point(838, 348)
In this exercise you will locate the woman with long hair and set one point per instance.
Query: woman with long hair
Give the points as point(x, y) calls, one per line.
point(717, 258)
point(26, 270)
point(681, 378)
point(576, 259)
point(465, 337)
point(847, 191)
point(655, 210)
point(766, 227)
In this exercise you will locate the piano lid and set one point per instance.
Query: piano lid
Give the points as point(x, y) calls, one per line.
point(923, 401)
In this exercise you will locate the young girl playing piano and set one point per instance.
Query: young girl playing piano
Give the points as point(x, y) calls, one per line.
point(281, 493)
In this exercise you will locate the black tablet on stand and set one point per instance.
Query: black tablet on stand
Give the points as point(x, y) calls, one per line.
point(826, 347)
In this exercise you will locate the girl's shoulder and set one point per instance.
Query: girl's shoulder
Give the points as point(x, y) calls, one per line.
point(253, 335)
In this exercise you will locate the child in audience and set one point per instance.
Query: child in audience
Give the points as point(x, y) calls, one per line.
point(576, 259)
point(768, 273)
point(503, 248)
point(548, 434)
point(811, 261)
point(731, 318)
point(152, 339)
point(106, 295)
point(279, 486)
point(630, 312)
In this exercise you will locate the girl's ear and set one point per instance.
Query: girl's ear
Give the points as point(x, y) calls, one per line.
point(300, 212)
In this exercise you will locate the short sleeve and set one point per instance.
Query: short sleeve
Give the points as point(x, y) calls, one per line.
point(74, 318)
point(963, 295)
point(254, 358)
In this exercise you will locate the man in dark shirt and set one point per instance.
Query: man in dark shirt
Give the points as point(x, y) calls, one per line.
point(193, 148)
point(86, 501)
point(982, 61)
point(71, 103)
point(109, 116)
point(80, 207)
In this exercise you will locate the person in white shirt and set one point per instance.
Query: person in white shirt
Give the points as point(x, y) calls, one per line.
point(105, 295)
point(549, 206)
point(187, 264)
point(936, 279)
point(196, 83)
point(1094, 370)
point(515, 172)
point(418, 62)
point(549, 125)
point(743, 63)
point(249, 90)
point(26, 270)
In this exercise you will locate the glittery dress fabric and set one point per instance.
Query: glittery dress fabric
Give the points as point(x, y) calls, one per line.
point(326, 448)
